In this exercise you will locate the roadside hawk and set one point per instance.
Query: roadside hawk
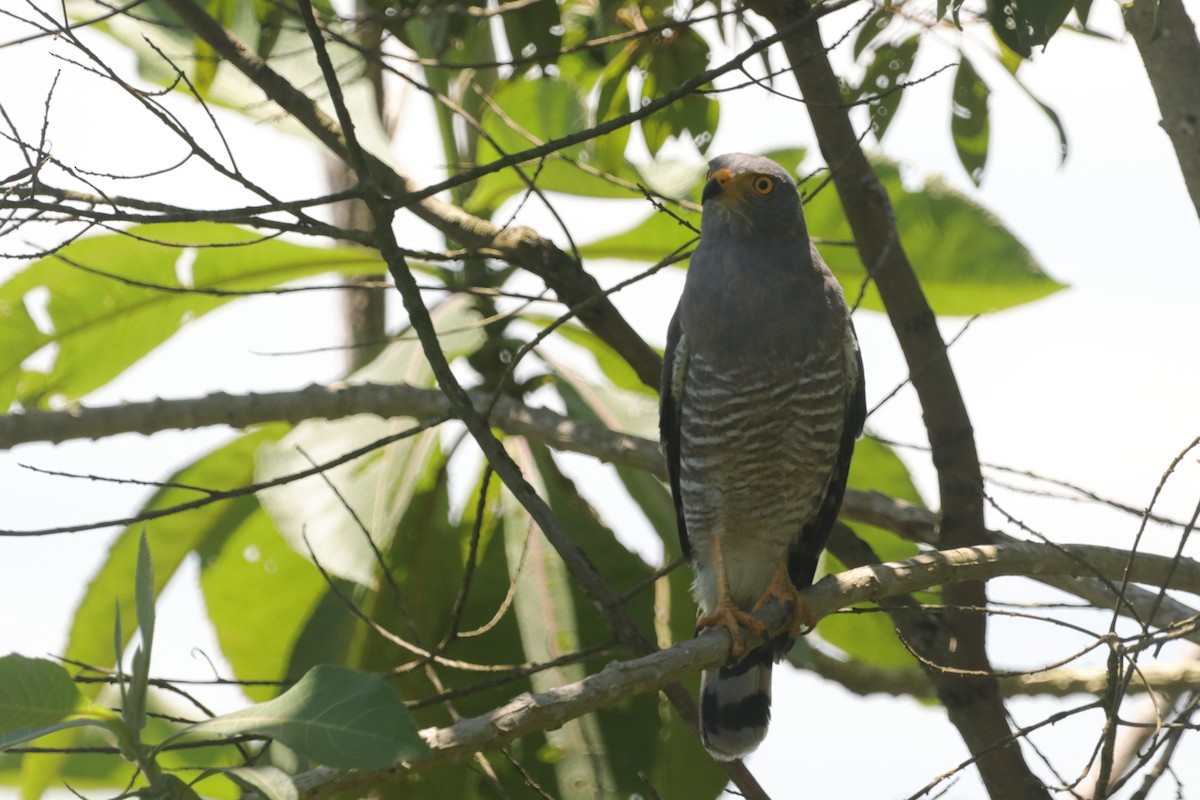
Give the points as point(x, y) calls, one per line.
point(762, 400)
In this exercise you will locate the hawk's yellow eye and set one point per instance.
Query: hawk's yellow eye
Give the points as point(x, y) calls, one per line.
point(762, 185)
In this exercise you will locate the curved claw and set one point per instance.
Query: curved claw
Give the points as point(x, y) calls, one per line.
point(731, 618)
point(801, 615)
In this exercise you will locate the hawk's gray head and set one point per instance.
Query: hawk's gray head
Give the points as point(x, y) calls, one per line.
point(751, 196)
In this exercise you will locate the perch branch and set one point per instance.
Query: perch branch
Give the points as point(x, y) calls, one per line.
point(618, 681)
point(564, 434)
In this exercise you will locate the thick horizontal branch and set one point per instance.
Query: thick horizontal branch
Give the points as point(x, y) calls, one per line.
point(325, 402)
point(907, 520)
point(529, 713)
point(866, 679)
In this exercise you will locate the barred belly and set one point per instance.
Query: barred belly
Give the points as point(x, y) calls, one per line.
point(755, 453)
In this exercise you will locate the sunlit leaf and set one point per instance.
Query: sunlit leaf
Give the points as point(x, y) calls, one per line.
point(546, 612)
point(968, 262)
point(258, 594)
point(871, 638)
point(34, 693)
point(104, 323)
point(667, 63)
point(333, 716)
point(319, 512)
point(969, 119)
point(611, 363)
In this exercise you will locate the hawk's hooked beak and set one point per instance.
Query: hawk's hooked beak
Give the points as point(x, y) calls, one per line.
point(721, 184)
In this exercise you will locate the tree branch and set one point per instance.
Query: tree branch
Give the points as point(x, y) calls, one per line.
point(1166, 38)
point(522, 247)
point(866, 679)
point(564, 434)
point(618, 681)
point(974, 704)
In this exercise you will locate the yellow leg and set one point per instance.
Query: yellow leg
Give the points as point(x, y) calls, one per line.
point(786, 594)
point(727, 615)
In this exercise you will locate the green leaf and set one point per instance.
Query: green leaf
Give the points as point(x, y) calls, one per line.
point(674, 756)
point(259, 594)
point(535, 30)
point(969, 119)
point(22, 735)
point(333, 716)
point(651, 240)
point(871, 638)
point(613, 101)
point(270, 17)
point(1025, 25)
point(546, 613)
point(311, 509)
point(875, 24)
point(134, 710)
point(34, 693)
point(967, 260)
point(102, 324)
point(884, 81)
point(206, 60)
point(172, 538)
point(610, 362)
point(668, 62)
point(270, 782)
point(1051, 114)
point(545, 108)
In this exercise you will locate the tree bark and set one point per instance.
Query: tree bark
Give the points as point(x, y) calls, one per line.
point(967, 689)
point(1171, 52)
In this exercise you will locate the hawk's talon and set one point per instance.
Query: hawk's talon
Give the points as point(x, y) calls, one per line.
point(802, 617)
point(731, 618)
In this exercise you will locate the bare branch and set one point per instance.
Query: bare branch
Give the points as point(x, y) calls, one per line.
point(618, 681)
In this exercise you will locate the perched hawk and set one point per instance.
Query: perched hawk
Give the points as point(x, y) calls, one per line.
point(762, 399)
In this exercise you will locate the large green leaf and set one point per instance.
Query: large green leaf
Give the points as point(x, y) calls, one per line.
point(610, 362)
point(675, 757)
point(668, 62)
point(967, 260)
point(333, 716)
point(870, 637)
point(536, 110)
point(258, 594)
point(323, 512)
point(651, 240)
point(172, 538)
point(546, 613)
point(102, 324)
point(969, 119)
point(34, 693)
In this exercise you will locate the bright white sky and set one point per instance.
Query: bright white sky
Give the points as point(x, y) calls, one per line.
point(1097, 384)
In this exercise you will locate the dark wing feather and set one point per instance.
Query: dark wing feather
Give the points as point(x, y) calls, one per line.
point(668, 422)
point(802, 561)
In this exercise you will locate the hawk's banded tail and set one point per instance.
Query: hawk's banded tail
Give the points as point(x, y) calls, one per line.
point(735, 704)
